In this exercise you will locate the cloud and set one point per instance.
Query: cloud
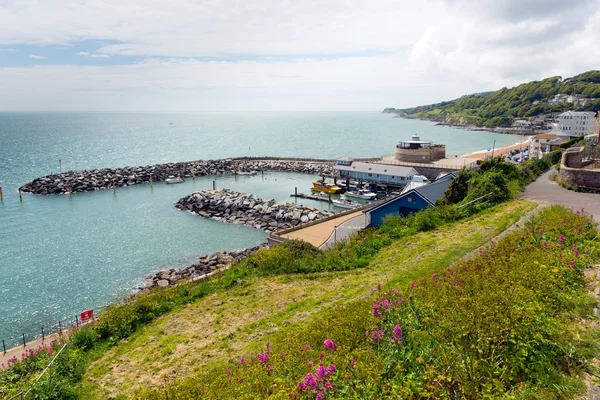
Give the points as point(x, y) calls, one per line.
point(36, 57)
point(266, 54)
point(92, 55)
point(7, 50)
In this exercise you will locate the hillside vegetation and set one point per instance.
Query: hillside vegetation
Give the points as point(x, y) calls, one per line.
point(395, 312)
point(498, 108)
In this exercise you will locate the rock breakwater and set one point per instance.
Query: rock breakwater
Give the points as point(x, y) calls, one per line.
point(105, 178)
point(206, 264)
point(246, 209)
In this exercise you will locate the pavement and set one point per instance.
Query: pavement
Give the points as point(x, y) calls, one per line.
point(20, 350)
point(545, 191)
point(319, 234)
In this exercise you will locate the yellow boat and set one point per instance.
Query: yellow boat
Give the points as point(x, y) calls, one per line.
point(325, 187)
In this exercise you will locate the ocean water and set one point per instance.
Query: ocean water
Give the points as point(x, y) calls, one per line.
point(61, 255)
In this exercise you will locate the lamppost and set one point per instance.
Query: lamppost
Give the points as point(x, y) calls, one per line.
point(493, 148)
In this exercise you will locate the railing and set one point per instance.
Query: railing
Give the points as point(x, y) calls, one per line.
point(425, 165)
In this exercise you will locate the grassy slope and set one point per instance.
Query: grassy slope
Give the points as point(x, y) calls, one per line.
point(229, 323)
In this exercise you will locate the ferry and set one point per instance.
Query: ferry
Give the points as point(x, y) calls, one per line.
point(324, 187)
point(361, 194)
point(171, 180)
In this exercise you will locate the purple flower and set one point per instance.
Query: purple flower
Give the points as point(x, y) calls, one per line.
point(321, 372)
point(545, 244)
point(329, 345)
point(263, 358)
point(319, 396)
point(308, 383)
point(434, 276)
point(331, 369)
point(561, 238)
point(397, 333)
point(377, 335)
point(310, 363)
point(242, 360)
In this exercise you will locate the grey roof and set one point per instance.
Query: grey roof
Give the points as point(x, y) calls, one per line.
point(413, 185)
point(435, 190)
point(381, 169)
point(446, 174)
point(430, 192)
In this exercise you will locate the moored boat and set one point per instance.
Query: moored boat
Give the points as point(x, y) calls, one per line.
point(171, 180)
point(347, 204)
point(361, 194)
point(325, 187)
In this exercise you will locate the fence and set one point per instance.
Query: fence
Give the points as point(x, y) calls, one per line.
point(45, 331)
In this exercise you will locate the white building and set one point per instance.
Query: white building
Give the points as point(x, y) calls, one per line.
point(543, 143)
point(577, 123)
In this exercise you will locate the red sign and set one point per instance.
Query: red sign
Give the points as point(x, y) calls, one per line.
point(86, 315)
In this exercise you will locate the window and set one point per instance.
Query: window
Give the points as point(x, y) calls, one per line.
point(409, 199)
point(370, 174)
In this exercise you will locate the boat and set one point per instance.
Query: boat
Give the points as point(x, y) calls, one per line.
point(361, 194)
point(246, 172)
point(171, 179)
point(325, 187)
point(348, 204)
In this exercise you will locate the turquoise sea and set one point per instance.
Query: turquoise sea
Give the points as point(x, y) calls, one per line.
point(61, 255)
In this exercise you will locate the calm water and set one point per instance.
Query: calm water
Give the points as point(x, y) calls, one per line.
point(59, 256)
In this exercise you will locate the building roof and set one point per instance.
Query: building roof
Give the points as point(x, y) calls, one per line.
point(381, 169)
point(413, 185)
point(441, 175)
point(578, 113)
point(416, 140)
point(429, 192)
point(344, 159)
point(546, 136)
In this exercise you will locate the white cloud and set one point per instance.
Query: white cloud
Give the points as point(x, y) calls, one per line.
point(91, 55)
point(36, 57)
point(332, 54)
point(7, 50)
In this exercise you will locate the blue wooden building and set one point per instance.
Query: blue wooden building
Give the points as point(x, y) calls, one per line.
point(414, 200)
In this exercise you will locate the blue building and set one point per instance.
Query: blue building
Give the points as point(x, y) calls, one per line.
point(414, 200)
point(382, 174)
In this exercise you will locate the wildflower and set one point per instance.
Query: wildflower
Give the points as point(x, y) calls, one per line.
point(263, 358)
point(228, 371)
point(321, 355)
point(545, 244)
point(561, 238)
point(321, 372)
point(377, 335)
point(310, 363)
point(352, 363)
point(434, 276)
point(319, 396)
point(308, 383)
point(379, 287)
point(331, 369)
point(397, 333)
point(329, 345)
point(328, 385)
point(413, 284)
point(242, 360)
point(307, 347)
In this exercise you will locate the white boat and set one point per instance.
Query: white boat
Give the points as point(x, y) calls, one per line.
point(171, 179)
point(246, 172)
point(361, 194)
point(345, 204)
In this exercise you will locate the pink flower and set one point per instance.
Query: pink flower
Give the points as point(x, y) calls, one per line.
point(331, 369)
point(561, 238)
point(242, 360)
point(413, 284)
point(379, 287)
point(352, 363)
point(308, 383)
point(310, 363)
point(434, 276)
point(545, 244)
point(319, 396)
point(329, 345)
point(321, 372)
point(397, 333)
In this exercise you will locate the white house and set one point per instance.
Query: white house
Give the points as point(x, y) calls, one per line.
point(577, 123)
point(543, 143)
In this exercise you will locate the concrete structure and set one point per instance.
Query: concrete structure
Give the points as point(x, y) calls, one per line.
point(414, 200)
point(578, 123)
point(382, 174)
point(575, 172)
point(545, 143)
point(419, 151)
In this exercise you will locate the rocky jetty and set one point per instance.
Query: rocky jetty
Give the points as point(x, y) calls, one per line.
point(206, 264)
point(247, 209)
point(105, 178)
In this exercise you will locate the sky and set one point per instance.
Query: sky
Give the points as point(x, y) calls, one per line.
point(197, 55)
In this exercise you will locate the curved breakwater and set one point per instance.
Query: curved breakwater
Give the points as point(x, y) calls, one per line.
point(106, 178)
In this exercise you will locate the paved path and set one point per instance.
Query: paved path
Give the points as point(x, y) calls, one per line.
point(345, 229)
point(320, 233)
point(19, 350)
point(544, 191)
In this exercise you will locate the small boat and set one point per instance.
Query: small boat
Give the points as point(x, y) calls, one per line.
point(325, 187)
point(246, 172)
point(171, 179)
point(361, 194)
point(348, 204)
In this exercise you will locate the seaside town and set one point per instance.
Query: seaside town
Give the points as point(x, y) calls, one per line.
point(208, 200)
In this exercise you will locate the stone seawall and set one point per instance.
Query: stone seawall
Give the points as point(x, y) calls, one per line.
point(206, 264)
point(104, 178)
point(246, 209)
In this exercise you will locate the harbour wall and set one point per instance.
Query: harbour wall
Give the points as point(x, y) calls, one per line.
point(107, 178)
point(246, 209)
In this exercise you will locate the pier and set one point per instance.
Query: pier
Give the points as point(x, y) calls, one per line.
point(311, 197)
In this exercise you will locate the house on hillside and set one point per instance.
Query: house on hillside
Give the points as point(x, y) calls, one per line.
point(578, 123)
point(416, 199)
